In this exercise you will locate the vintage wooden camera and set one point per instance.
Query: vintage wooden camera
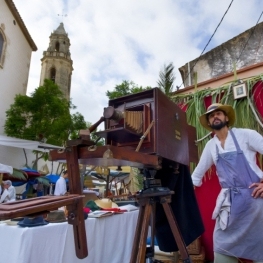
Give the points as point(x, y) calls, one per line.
point(153, 122)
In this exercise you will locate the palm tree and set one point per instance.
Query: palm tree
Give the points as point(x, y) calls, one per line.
point(165, 83)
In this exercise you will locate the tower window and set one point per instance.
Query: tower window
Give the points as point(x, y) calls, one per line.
point(2, 47)
point(53, 74)
point(69, 84)
point(57, 46)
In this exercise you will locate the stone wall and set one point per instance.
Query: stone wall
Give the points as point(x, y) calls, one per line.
point(243, 50)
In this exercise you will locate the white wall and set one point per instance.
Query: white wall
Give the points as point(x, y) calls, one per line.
point(14, 74)
point(13, 78)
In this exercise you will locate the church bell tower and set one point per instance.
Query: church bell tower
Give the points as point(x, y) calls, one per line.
point(56, 62)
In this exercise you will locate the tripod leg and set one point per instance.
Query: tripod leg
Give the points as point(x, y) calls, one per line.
point(153, 224)
point(150, 249)
point(144, 233)
point(176, 233)
point(135, 246)
point(139, 243)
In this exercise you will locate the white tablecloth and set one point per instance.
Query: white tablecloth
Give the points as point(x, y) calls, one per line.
point(109, 239)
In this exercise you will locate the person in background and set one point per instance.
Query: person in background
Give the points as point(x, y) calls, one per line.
point(238, 231)
point(9, 193)
point(1, 188)
point(61, 185)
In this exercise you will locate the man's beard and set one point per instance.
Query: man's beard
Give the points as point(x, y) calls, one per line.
point(218, 126)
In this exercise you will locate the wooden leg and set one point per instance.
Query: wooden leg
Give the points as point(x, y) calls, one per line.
point(75, 212)
point(76, 218)
point(144, 233)
point(135, 246)
point(176, 233)
point(139, 243)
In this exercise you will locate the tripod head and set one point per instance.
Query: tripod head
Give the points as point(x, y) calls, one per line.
point(150, 184)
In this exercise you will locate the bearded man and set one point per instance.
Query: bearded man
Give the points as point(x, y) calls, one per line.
point(238, 231)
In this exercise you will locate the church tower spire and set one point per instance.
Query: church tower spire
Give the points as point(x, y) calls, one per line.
point(56, 62)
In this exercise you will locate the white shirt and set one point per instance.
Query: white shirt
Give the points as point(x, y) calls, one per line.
point(249, 141)
point(61, 186)
point(9, 195)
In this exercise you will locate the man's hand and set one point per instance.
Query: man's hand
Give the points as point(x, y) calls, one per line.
point(258, 191)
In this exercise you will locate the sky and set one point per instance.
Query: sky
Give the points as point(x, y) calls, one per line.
point(117, 40)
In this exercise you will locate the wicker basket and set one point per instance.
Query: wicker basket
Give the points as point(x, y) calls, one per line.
point(166, 257)
point(200, 258)
point(195, 247)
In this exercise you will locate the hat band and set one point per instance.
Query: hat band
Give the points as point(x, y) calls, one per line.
point(213, 108)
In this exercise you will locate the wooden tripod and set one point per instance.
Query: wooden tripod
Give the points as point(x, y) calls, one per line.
point(147, 211)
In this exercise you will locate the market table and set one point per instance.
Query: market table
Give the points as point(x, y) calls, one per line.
point(109, 239)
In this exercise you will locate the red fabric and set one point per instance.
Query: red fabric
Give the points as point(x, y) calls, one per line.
point(208, 99)
point(86, 210)
point(257, 94)
point(206, 197)
point(182, 106)
point(114, 209)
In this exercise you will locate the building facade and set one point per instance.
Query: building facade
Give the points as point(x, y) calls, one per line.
point(16, 47)
point(243, 53)
point(56, 61)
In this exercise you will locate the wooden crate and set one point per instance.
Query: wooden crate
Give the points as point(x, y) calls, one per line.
point(200, 258)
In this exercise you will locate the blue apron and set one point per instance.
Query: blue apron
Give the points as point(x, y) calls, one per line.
point(243, 236)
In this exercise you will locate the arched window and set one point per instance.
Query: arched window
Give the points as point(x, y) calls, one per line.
point(57, 46)
point(53, 74)
point(69, 84)
point(2, 47)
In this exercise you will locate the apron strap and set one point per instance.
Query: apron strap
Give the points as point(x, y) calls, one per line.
point(235, 141)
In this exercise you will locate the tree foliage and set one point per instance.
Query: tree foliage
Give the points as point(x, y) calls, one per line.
point(43, 116)
point(125, 88)
point(165, 83)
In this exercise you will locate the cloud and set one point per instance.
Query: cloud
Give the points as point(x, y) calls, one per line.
point(118, 40)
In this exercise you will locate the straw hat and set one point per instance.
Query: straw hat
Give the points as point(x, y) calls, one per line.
point(105, 203)
point(229, 111)
point(57, 216)
point(11, 223)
